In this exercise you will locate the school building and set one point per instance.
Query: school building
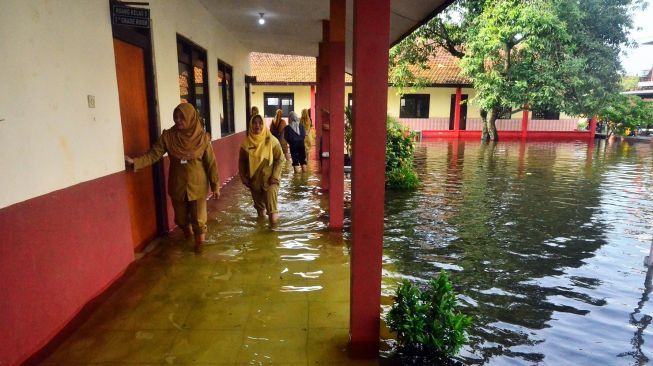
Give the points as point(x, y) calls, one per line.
point(87, 82)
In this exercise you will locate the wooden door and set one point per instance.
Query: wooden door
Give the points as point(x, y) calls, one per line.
point(132, 91)
point(463, 112)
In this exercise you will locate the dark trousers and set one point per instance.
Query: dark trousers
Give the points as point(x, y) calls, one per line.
point(297, 152)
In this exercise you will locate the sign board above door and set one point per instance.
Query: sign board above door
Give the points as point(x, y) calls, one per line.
point(131, 17)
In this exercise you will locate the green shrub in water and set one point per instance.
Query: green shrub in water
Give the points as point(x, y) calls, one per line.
point(426, 322)
point(348, 129)
point(399, 150)
point(402, 178)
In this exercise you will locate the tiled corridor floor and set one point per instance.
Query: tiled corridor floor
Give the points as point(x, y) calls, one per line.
point(254, 295)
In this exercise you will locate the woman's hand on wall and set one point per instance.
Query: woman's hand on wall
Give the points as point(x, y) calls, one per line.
point(129, 162)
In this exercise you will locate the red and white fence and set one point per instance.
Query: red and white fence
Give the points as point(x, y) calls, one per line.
point(425, 124)
point(476, 124)
point(553, 125)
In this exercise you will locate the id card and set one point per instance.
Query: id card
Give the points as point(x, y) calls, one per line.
point(183, 161)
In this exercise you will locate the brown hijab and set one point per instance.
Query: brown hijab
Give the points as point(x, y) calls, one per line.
point(190, 142)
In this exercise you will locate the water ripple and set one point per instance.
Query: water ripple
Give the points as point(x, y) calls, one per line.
point(544, 243)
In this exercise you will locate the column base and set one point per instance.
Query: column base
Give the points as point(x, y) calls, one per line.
point(363, 350)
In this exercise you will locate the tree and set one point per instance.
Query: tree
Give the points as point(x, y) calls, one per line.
point(624, 112)
point(536, 53)
point(629, 82)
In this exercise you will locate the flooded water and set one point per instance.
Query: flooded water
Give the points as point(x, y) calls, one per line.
point(545, 245)
point(254, 296)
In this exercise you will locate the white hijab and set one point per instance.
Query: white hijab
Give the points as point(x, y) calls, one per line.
point(294, 122)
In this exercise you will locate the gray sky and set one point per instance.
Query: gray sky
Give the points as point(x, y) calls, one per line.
point(641, 58)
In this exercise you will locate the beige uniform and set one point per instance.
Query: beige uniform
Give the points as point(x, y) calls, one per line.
point(188, 182)
point(264, 194)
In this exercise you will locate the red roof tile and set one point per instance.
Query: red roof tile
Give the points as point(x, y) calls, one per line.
point(275, 68)
point(442, 69)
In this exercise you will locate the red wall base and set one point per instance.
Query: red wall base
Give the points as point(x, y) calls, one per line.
point(61, 250)
point(226, 153)
point(512, 135)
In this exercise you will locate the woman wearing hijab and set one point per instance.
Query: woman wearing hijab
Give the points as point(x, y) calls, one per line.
point(306, 121)
point(295, 135)
point(253, 113)
point(277, 128)
point(192, 165)
point(260, 161)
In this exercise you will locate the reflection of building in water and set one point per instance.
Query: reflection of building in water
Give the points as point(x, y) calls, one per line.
point(507, 216)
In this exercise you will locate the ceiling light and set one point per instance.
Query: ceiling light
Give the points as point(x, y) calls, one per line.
point(261, 21)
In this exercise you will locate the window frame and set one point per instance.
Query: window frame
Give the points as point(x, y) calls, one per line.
point(504, 113)
point(546, 114)
point(227, 122)
point(190, 54)
point(281, 96)
point(417, 100)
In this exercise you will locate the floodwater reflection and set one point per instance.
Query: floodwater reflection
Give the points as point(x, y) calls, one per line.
point(544, 241)
point(254, 295)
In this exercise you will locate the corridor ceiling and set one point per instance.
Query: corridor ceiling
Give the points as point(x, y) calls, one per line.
point(294, 27)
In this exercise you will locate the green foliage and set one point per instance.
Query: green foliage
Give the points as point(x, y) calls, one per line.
point(399, 150)
point(629, 82)
point(545, 54)
point(403, 178)
point(626, 112)
point(400, 173)
point(514, 55)
point(427, 322)
point(348, 129)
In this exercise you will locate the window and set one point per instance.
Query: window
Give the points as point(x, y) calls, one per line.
point(193, 85)
point(226, 91)
point(274, 101)
point(504, 113)
point(414, 106)
point(545, 114)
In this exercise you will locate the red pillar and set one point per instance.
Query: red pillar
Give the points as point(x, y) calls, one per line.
point(456, 113)
point(337, 113)
point(524, 123)
point(370, 87)
point(592, 128)
point(322, 114)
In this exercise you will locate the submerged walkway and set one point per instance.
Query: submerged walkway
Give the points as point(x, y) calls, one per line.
point(253, 296)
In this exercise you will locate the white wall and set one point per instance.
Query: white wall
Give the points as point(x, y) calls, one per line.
point(170, 18)
point(55, 53)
